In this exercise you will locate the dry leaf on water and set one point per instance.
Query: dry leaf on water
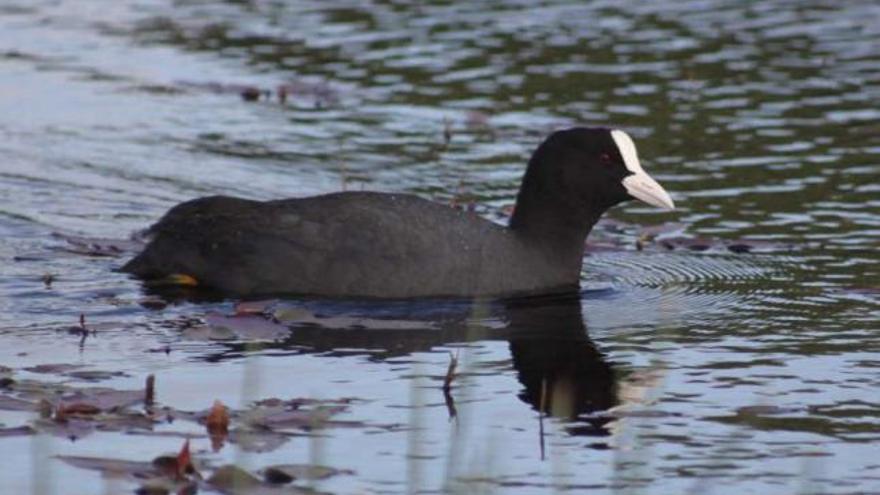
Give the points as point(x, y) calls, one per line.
point(285, 473)
point(217, 420)
point(64, 411)
point(184, 461)
point(217, 423)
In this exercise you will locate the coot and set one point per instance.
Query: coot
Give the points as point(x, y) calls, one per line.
point(369, 244)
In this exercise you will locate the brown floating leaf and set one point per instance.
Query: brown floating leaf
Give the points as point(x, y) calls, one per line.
point(218, 419)
point(64, 411)
point(217, 423)
point(184, 461)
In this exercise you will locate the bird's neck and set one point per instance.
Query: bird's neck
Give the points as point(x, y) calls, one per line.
point(553, 227)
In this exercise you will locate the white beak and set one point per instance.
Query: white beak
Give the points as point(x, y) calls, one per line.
point(642, 186)
point(639, 185)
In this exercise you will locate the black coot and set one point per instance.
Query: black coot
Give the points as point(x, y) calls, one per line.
point(368, 244)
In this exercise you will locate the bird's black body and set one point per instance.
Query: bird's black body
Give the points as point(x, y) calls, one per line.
point(366, 244)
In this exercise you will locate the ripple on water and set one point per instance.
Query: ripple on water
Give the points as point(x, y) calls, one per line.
point(739, 374)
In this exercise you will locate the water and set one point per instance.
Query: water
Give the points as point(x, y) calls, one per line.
point(684, 371)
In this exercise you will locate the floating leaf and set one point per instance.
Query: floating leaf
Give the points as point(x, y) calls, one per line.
point(282, 418)
point(117, 467)
point(233, 479)
point(248, 327)
point(184, 461)
point(72, 428)
point(158, 479)
point(9, 403)
point(217, 423)
point(257, 440)
point(16, 431)
point(207, 332)
point(106, 399)
point(95, 375)
point(277, 474)
point(302, 316)
point(64, 411)
point(55, 368)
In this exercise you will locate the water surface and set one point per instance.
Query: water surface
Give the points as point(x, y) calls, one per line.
point(674, 371)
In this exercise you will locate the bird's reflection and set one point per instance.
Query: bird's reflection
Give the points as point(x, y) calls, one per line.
point(562, 372)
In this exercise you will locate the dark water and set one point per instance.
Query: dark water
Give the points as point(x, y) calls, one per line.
point(675, 371)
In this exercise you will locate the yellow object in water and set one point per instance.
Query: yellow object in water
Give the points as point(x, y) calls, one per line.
point(181, 279)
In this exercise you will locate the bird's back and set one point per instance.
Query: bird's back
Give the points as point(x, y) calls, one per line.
point(354, 243)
